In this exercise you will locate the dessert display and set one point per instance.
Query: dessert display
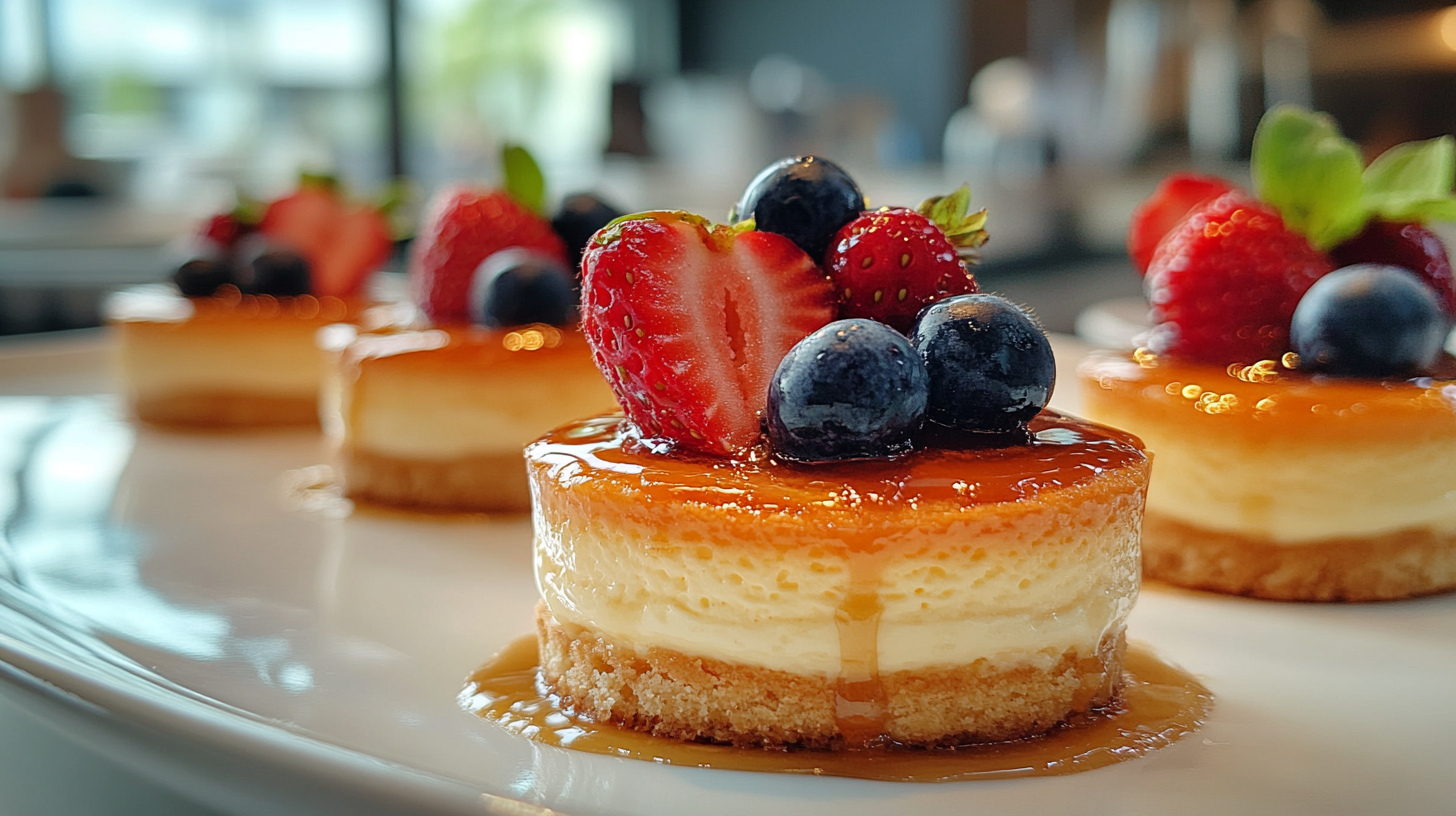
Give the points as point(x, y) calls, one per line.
point(812, 529)
point(231, 341)
point(1293, 387)
point(430, 404)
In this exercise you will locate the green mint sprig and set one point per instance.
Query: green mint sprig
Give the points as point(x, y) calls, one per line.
point(1313, 175)
point(523, 179)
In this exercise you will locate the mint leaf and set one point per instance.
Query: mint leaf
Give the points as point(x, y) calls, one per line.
point(1304, 168)
point(524, 181)
point(1414, 208)
point(1415, 168)
point(1412, 182)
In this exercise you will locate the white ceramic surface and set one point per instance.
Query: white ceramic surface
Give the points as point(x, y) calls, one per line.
point(167, 598)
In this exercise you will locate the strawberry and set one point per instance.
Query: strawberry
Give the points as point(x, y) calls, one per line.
point(342, 243)
point(688, 322)
point(303, 221)
point(462, 227)
point(1175, 198)
point(889, 264)
point(1410, 246)
point(362, 242)
point(224, 230)
point(1224, 283)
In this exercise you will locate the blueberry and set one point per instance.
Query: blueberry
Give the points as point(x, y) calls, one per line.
point(1368, 320)
point(580, 217)
point(266, 268)
point(201, 277)
point(851, 389)
point(516, 286)
point(991, 367)
point(805, 199)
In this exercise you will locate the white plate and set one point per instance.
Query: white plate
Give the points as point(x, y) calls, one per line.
point(165, 597)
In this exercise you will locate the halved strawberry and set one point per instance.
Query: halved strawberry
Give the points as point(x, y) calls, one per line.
point(361, 244)
point(1174, 199)
point(342, 243)
point(462, 227)
point(303, 221)
point(688, 322)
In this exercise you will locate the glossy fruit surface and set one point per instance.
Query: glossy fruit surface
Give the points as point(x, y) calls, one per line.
point(1369, 320)
point(268, 268)
point(1173, 200)
point(462, 227)
point(803, 198)
point(1224, 283)
point(688, 323)
point(517, 286)
point(1407, 245)
point(991, 367)
point(224, 229)
point(853, 389)
point(341, 241)
point(579, 218)
point(201, 277)
point(890, 264)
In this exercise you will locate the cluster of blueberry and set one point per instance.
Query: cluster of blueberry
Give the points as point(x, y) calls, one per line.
point(858, 388)
point(231, 251)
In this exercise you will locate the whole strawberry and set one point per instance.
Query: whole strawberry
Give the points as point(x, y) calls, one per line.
point(1177, 196)
point(688, 323)
point(891, 263)
point(1225, 282)
point(462, 227)
point(1407, 245)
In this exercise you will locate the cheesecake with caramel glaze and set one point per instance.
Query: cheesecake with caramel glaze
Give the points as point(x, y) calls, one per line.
point(945, 596)
point(436, 418)
point(1279, 484)
point(226, 361)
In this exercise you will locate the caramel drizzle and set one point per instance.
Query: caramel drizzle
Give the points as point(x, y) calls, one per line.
point(859, 698)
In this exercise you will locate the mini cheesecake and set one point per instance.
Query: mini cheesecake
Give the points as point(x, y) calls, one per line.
point(949, 595)
point(1278, 484)
point(436, 418)
point(230, 360)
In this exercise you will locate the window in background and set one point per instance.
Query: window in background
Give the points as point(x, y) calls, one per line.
point(186, 102)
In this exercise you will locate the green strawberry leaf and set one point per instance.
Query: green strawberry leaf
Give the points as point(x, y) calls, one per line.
point(1304, 168)
point(965, 230)
point(1412, 182)
point(524, 181)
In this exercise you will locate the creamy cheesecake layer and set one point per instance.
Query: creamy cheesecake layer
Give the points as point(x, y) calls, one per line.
point(226, 346)
point(1011, 555)
point(950, 602)
point(436, 395)
point(1271, 455)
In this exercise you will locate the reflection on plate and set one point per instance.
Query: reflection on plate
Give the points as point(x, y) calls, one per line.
point(164, 596)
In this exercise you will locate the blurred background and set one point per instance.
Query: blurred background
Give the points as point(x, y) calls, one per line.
point(123, 122)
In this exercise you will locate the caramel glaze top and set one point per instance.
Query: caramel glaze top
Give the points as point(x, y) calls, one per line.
point(1269, 399)
point(605, 456)
point(464, 347)
point(164, 304)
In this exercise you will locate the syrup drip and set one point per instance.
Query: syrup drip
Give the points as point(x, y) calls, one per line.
point(859, 700)
point(1159, 705)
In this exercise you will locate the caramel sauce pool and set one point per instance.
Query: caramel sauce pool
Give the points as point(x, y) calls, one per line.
point(1159, 704)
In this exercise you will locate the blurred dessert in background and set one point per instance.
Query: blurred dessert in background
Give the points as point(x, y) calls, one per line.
point(1293, 387)
point(430, 403)
point(230, 343)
